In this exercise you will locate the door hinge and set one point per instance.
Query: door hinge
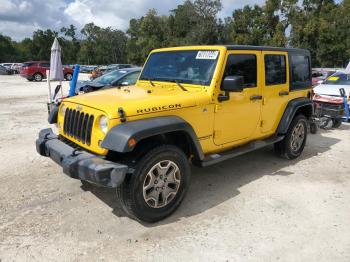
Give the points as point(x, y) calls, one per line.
point(217, 108)
point(217, 133)
point(262, 123)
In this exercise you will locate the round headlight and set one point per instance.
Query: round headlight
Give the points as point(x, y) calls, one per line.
point(104, 124)
point(63, 110)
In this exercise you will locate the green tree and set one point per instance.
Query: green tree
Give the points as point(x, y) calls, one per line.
point(102, 45)
point(8, 52)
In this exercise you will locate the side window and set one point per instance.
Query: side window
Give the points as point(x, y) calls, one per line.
point(301, 73)
point(275, 70)
point(45, 65)
point(243, 65)
point(131, 79)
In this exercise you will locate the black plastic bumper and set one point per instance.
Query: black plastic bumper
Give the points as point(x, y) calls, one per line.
point(80, 164)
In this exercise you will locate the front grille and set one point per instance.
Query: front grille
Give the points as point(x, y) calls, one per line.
point(329, 109)
point(78, 125)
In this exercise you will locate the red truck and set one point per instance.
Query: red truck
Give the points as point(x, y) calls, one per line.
point(36, 71)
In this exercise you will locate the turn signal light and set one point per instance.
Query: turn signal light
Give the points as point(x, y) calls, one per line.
point(132, 142)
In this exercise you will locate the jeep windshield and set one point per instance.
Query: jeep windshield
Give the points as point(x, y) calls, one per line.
point(189, 67)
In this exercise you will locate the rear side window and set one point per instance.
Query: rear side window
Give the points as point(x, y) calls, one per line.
point(300, 71)
point(28, 64)
point(45, 65)
point(275, 70)
point(243, 65)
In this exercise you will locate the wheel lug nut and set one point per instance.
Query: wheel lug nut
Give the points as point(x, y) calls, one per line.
point(156, 182)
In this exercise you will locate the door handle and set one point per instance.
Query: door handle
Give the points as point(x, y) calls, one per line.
point(256, 97)
point(283, 93)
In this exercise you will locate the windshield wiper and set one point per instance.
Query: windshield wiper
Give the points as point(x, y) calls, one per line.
point(149, 80)
point(179, 85)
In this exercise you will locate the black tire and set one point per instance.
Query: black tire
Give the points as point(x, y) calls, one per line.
point(337, 122)
point(131, 192)
point(285, 148)
point(68, 76)
point(37, 77)
point(313, 128)
point(85, 185)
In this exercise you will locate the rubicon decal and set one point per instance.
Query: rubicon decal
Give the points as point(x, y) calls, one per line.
point(158, 108)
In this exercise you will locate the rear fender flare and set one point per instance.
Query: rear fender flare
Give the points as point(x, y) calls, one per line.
point(295, 105)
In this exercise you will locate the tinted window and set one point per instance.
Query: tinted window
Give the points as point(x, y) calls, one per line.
point(45, 65)
point(301, 73)
point(28, 64)
point(275, 69)
point(243, 65)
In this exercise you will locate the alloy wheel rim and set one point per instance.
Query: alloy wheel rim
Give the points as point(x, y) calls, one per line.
point(298, 136)
point(37, 77)
point(161, 184)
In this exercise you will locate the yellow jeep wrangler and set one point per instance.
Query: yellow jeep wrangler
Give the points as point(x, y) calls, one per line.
point(191, 105)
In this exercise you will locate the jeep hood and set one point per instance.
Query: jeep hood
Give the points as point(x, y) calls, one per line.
point(137, 100)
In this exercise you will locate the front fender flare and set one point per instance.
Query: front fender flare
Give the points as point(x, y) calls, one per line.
point(117, 138)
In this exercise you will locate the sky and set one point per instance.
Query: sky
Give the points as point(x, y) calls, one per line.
point(19, 18)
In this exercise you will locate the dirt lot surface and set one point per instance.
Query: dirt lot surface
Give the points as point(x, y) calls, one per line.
point(256, 207)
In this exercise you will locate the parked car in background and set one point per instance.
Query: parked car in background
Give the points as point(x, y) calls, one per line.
point(319, 75)
point(333, 83)
point(36, 71)
point(105, 69)
point(5, 71)
point(87, 68)
point(330, 89)
point(121, 77)
point(15, 67)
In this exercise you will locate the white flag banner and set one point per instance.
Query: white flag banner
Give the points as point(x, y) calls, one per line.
point(347, 69)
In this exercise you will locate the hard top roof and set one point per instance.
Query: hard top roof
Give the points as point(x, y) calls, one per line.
point(266, 48)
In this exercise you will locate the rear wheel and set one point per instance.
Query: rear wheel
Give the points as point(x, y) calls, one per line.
point(293, 144)
point(37, 77)
point(158, 185)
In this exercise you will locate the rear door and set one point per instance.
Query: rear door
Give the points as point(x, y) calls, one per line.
point(275, 89)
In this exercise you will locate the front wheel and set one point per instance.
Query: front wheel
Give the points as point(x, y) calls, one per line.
point(294, 142)
point(68, 76)
point(157, 186)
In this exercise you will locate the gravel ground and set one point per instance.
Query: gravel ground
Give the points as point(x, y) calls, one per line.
point(256, 207)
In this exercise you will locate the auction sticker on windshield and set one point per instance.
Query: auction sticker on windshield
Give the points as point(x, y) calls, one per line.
point(333, 78)
point(212, 55)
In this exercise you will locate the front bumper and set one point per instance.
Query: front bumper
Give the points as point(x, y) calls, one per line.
point(80, 164)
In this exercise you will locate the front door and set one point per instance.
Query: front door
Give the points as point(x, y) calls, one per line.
point(238, 118)
point(275, 89)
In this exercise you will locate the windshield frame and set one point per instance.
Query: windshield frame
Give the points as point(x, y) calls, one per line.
point(182, 80)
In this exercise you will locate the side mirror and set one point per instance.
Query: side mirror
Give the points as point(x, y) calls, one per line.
point(233, 84)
